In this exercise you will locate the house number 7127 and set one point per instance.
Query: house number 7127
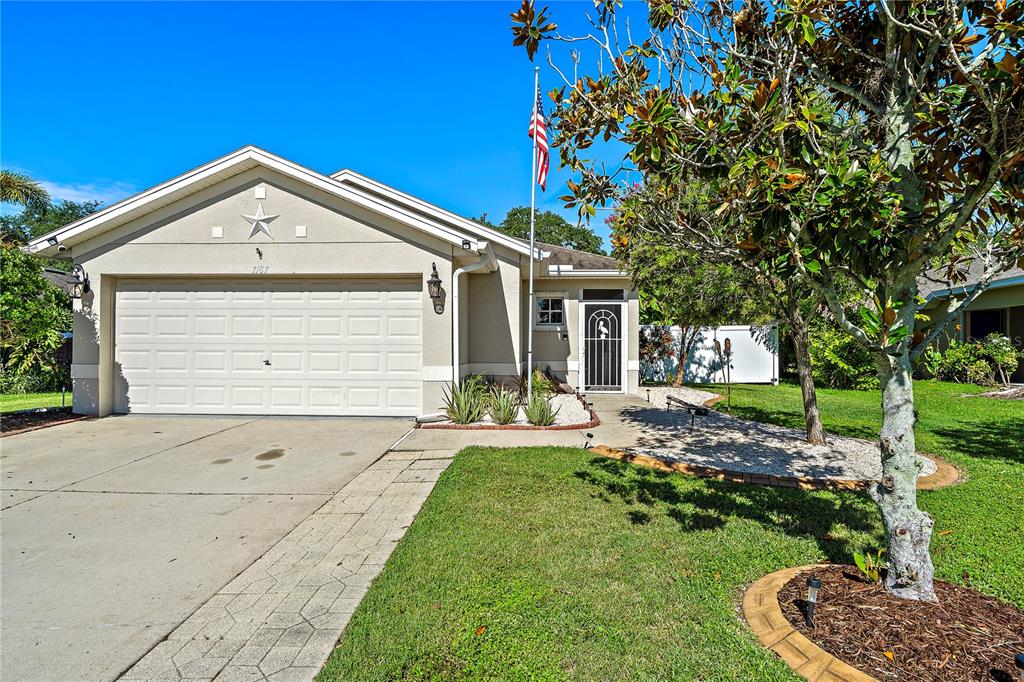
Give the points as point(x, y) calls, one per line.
point(260, 269)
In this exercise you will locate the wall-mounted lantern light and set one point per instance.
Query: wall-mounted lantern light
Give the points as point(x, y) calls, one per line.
point(80, 282)
point(434, 290)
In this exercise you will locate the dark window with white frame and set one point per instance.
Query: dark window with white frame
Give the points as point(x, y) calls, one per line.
point(550, 311)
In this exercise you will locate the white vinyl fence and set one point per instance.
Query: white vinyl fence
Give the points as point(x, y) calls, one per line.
point(755, 357)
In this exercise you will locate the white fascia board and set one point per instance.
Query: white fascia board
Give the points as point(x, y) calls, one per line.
point(964, 289)
point(573, 272)
point(350, 177)
point(106, 219)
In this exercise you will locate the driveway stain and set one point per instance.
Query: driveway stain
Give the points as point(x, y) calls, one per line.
point(265, 466)
point(346, 453)
point(223, 460)
point(274, 453)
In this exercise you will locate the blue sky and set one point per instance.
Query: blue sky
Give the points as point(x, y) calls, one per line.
point(104, 99)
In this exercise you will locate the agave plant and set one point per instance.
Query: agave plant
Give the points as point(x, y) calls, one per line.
point(467, 401)
point(503, 405)
point(539, 411)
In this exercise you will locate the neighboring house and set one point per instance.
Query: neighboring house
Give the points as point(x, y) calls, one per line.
point(998, 309)
point(253, 285)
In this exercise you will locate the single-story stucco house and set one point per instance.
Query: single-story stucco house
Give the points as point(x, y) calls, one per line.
point(999, 309)
point(253, 285)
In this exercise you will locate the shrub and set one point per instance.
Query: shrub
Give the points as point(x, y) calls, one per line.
point(503, 405)
point(975, 362)
point(542, 384)
point(838, 360)
point(1003, 355)
point(539, 411)
point(467, 402)
point(980, 372)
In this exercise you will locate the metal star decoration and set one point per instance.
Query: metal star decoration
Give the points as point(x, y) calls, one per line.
point(260, 222)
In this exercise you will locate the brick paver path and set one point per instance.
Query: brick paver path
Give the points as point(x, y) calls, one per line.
point(281, 617)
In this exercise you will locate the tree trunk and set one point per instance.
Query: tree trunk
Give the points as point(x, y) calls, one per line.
point(812, 417)
point(686, 339)
point(908, 529)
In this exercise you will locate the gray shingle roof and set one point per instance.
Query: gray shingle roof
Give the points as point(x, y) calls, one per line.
point(935, 282)
point(579, 260)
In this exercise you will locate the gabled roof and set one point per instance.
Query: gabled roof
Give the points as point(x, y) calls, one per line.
point(935, 284)
point(352, 179)
point(393, 204)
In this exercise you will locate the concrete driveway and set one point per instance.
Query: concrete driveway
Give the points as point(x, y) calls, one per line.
point(113, 531)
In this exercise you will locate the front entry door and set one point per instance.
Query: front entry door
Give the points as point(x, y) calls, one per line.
point(602, 347)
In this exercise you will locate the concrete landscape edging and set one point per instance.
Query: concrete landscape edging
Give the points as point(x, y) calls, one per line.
point(945, 475)
point(763, 614)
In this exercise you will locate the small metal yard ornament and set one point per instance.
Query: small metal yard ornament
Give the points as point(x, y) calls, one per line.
point(434, 290)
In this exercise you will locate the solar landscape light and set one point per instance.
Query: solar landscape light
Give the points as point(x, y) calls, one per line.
point(813, 585)
point(587, 445)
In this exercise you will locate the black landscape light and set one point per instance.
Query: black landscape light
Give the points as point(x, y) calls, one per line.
point(587, 445)
point(1019, 661)
point(648, 395)
point(813, 585)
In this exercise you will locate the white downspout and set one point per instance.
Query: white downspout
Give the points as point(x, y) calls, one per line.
point(486, 260)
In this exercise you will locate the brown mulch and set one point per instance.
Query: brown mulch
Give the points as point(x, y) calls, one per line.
point(966, 636)
point(30, 420)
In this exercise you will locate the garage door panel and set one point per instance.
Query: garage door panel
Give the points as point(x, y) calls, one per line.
point(334, 347)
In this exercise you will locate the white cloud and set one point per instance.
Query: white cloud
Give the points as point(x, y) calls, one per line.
point(105, 191)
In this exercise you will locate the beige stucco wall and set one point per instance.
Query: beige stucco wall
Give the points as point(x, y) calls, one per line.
point(494, 344)
point(552, 349)
point(176, 241)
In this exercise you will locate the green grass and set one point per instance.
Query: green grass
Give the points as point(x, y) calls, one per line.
point(30, 401)
point(551, 563)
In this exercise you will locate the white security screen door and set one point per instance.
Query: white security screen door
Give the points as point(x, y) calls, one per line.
point(602, 346)
point(294, 347)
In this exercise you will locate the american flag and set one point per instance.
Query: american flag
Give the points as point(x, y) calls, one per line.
point(539, 131)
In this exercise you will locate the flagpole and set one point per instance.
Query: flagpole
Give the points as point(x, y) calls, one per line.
point(533, 210)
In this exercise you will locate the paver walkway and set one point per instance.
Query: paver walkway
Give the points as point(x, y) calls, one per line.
point(281, 617)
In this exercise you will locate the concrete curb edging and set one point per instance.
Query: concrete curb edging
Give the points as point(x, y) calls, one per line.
point(594, 421)
point(764, 616)
point(946, 474)
point(46, 425)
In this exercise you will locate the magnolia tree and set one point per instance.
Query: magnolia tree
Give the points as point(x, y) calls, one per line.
point(848, 142)
point(698, 281)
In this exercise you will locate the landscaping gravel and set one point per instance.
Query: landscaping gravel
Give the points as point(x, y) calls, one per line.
point(729, 443)
point(570, 410)
point(690, 395)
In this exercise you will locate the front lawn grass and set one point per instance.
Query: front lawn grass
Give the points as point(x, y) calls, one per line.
point(553, 563)
point(30, 401)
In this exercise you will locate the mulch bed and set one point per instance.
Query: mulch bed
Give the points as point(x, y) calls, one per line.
point(26, 421)
point(966, 636)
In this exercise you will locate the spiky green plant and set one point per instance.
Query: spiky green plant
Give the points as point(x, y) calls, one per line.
point(503, 405)
point(467, 401)
point(539, 411)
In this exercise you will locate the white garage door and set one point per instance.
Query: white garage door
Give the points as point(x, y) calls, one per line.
point(323, 347)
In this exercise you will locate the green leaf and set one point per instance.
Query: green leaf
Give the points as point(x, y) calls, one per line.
point(808, 27)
